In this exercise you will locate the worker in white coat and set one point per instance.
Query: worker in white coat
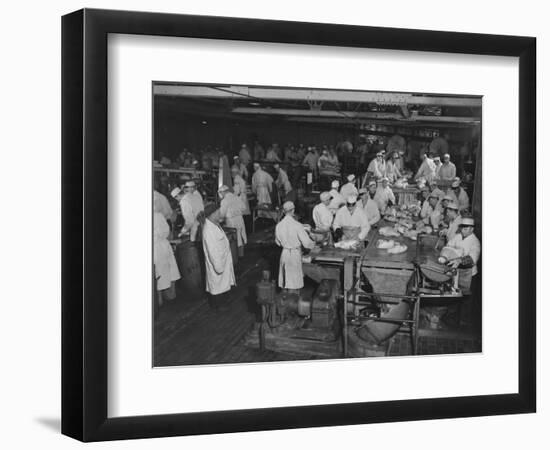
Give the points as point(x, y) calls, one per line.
point(161, 205)
point(392, 168)
point(384, 195)
point(239, 189)
point(454, 219)
point(349, 188)
point(231, 211)
point(377, 166)
point(322, 215)
point(353, 216)
point(190, 205)
point(459, 195)
point(429, 208)
point(166, 269)
point(283, 184)
point(220, 276)
point(447, 171)
point(337, 199)
point(426, 169)
point(369, 204)
point(291, 236)
point(466, 241)
point(262, 185)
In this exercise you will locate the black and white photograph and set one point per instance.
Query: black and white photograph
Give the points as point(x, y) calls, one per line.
point(302, 224)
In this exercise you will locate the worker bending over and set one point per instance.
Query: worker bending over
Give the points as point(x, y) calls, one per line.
point(353, 216)
point(322, 215)
point(283, 184)
point(262, 185)
point(291, 236)
point(191, 205)
point(231, 211)
point(218, 261)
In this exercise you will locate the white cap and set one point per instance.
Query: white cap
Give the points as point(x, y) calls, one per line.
point(362, 191)
point(446, 155)
point(189, 184)
point(175, 192)
point(437, 158)
point(352, 199)
point(372, 183)
point(452, 205)
point(467, 222)
point(448, 198)
point(288, 206)
point(223, 188)
point(324, 196)
point(351, 178)
point(384, 179)
point(456, 182)
point(235, 157)
point(335, 184)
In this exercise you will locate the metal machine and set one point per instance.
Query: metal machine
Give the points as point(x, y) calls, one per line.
point(293, 323)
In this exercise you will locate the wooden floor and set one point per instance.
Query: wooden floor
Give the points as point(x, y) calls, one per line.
point(188, 331)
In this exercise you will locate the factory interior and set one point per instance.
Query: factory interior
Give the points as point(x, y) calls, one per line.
point(405, 282)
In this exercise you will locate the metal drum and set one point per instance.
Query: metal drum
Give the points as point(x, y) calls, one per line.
point(231, 234)
point(191, 266)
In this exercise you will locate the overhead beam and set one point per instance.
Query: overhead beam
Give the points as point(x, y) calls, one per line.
point(351, 115)
point(316, 95)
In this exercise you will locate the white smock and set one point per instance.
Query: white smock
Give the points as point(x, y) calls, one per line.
point(191, 204)
point(383, 196)
point(217, 259)
point(239, 189)
point(231, 209)
point(322, 217)
point(358, 219)
point(262, 184)
point(161, 205)
point(166, 268)
point(470, 246)
point(371, 210)
point(291, 235)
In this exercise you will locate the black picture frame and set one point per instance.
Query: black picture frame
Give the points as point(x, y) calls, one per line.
point(84, 224)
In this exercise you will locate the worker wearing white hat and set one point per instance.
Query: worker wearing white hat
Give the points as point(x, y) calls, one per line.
point(377, 166)
point(337, 200)
point(190, 205)
point(291, 236)
point(231, 211)
point(239, 189)
point(459, 195)
point(384, 195)
point(435, 190)
point(349, 188)
point(369, 204)
point(468, 243)
point(322, 215)
point(238, 164)
point(262, 185)
point(438, 216)
point(448, 169)
point(353, 216)
point(429, 207)
point(454, 219)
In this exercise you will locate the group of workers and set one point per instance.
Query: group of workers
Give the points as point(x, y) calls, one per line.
point(357, 205)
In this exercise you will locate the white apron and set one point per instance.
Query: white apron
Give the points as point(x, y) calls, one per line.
point(217, 258)
point(166, 268)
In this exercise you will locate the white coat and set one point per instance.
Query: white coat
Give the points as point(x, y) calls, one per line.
point(470, 246)
point(166, 269)
point(378, 168)
point(336, 202)
point(231, 209)
point(426, 170)
point(453, 228)
point(161, 205)
point(291, 236)
point(191, 204)
point(447, 171)
point(358, 219)
point(371, 210)
point(262, 184)
point(348, 189)
point(383, 196)
point(239, 189)
point(392, 171)
point(322, 217)
point(463, 201)
point(217, 259)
